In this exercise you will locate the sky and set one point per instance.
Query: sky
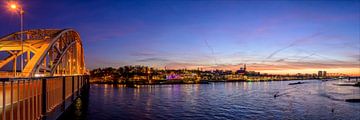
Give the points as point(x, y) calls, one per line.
point(277, 36)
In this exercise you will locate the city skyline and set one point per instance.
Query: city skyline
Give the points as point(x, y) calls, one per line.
point(272, 37)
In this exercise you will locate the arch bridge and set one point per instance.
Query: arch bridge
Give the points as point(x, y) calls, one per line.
point(42, 72)
point(46, 52)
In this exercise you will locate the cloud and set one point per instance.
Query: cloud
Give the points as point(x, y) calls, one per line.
point(142, 53)
point(181, 65)
point(286, 65)
point(283, 65)
point(280, 60)
point(153, 59)
point(305, 57)
point(94, 62)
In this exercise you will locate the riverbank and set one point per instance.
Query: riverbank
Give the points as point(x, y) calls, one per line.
point(166, 82)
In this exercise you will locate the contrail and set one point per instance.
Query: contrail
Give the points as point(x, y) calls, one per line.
point(329, 58)
point(315, 54)
point(277, 51)
point(312, 54)
point(212, 51)
point(293, 44)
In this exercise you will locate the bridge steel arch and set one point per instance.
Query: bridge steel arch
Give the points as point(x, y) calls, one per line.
point(47, 52)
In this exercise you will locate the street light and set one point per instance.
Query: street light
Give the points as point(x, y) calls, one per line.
point(13, 6)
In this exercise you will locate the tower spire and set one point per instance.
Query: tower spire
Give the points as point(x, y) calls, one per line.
point(244, 67)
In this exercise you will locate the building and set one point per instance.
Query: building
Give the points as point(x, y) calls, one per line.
point(321, 73)
point(242, 70)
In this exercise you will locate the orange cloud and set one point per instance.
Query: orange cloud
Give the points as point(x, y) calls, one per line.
point(348, 68)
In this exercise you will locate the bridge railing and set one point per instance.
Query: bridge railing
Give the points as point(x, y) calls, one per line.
point(38, 98)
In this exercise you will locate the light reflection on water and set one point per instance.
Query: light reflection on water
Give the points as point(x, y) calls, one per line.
point(232, 100)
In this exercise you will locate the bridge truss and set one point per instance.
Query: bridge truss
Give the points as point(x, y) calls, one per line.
point(46, 52)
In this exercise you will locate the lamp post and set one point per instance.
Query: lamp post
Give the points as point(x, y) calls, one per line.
point(17, 8)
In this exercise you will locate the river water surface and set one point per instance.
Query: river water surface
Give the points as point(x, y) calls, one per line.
point(223, 100)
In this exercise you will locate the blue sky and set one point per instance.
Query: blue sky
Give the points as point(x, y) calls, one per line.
point(269, 36)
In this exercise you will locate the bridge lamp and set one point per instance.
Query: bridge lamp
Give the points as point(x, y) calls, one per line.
point(13, 6)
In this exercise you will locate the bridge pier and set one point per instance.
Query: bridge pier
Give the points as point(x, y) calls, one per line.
point(43, 99)
point(63, 94)
point(72, 87)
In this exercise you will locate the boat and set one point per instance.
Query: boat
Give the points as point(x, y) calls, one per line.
point(296, 83)
point(353, 100)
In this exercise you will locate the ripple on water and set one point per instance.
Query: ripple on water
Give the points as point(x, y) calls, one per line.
point(239, 100)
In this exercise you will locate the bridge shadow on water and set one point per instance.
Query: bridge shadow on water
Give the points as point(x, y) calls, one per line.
point(78, 110)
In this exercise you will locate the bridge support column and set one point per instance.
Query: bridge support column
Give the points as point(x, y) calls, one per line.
point(43, 100)
point(78, 85)
point(88, 81)
point(4, 102)
point(72, 88)
point(63, 93)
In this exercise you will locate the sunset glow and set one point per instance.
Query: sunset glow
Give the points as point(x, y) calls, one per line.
point(294, 36)
point(179, 59)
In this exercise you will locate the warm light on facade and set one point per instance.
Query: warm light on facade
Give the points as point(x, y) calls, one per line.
point(39, 75)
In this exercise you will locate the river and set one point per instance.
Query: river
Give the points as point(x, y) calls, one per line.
point(223, 100)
